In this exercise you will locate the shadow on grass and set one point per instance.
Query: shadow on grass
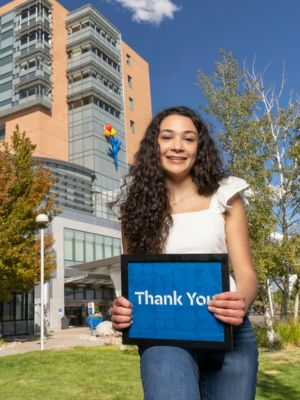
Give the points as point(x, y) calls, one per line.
point(270, 387)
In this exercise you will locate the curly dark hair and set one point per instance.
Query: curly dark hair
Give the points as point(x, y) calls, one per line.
point(145, 210)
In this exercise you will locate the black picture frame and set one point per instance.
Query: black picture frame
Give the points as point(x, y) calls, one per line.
point(222, 259)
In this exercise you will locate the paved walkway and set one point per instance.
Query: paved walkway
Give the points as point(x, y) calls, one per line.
point(55, 340)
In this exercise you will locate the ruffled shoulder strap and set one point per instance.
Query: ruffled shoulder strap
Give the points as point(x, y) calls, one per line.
point(228, 188)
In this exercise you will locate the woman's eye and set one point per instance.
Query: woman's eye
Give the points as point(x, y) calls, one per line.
point(189, 139)
point(165, 137)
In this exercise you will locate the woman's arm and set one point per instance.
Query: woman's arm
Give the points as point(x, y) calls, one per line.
point(231, 307)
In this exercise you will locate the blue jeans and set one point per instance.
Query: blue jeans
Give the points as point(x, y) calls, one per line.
point(175, 373)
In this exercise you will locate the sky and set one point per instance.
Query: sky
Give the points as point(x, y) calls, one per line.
point(179, 37)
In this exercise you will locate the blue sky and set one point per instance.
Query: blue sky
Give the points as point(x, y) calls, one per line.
point(177, 47)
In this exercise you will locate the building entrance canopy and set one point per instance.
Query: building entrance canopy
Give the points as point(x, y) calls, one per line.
point(106, 272)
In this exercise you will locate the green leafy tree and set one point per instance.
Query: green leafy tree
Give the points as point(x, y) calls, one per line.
point(23, 195)
point(260, 140)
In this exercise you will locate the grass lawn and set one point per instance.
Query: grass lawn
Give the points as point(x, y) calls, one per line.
point(105, 373)
point(279, 375)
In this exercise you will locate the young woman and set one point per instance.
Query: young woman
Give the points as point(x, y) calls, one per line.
point(178, 200)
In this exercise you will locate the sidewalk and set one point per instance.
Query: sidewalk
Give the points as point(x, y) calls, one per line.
point(55, 340)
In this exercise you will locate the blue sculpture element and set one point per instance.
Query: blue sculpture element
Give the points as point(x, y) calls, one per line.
point(114, 149)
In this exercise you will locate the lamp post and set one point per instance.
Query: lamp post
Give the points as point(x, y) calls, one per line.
point(42, 220)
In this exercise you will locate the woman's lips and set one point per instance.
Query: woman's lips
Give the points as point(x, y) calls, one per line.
point(176, 159)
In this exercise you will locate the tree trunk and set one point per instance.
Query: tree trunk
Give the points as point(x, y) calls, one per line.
point(296, 306)
point(270, 299)
point(269, 318)
point(270, 326)
point(285, 296)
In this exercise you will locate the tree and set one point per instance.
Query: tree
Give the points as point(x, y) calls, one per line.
point(260, 141)
point(24, 185)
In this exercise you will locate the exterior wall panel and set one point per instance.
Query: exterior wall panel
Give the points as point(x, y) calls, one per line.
point(141, 114)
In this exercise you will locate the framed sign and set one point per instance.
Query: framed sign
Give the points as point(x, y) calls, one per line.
point(169, 294)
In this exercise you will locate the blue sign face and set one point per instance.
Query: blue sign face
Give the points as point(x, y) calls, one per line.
point(170, 300)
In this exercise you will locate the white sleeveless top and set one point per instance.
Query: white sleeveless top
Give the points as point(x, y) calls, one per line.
point(204, 231)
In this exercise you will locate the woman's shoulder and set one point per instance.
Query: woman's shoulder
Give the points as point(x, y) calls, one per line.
point(229, 187)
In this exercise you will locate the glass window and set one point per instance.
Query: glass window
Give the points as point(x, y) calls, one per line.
point(76, 78)
point(68, 244)
point(99, 247)
point(24, 14)
point(5, 60)
point(31, 91)
point(19, 308)
point(90, 294)
point(108, 250)
point(129, 81)
point(75, 28)
point(131, 106)
point(78, 293)
point(132, 126)
point(69, 293)
point(116, 247)
point(128, 59)
point(31, 63)
point(86, 100)
point(2, 130)
point(79, 246)
point(89, 247)
point(32, 10)
point(23, 66)
point(46, 37)
point(99, 293)
point(8, 310)
point(7, 34)
point(86, 74)
point(108, 293)
point(32, 36)
point(30, 305)
point(5, 86)
point(85, 24)
point(76, 53)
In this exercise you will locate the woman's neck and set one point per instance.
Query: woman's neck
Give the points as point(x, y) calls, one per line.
point(180, 188)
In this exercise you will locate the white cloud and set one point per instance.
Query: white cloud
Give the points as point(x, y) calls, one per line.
point(152, 11)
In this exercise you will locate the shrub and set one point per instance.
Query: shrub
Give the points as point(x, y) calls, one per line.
point(262, 338)
point(289, 332)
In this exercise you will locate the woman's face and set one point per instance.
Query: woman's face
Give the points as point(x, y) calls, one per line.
point(178, 143)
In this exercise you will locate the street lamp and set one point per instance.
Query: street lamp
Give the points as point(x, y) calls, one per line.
point(42, 220)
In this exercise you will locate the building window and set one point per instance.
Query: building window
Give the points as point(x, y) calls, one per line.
point(69, 293)
point(89, 247)
point(75, 28)
point(2, 130)
point(79, 246)
point(83, 246)
point(89, 294)
point(32, 10)
point(129, 81)
point(6, 60)
point(132, 126)
point(24, 14)
point(79, 293)
point(131, 106)
point(7, 34)
point(128, 59)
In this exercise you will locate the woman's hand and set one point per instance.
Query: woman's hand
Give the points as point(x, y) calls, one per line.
point(228, 307)
point(121, 313)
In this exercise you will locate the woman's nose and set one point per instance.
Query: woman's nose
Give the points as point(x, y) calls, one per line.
point(177, 144)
